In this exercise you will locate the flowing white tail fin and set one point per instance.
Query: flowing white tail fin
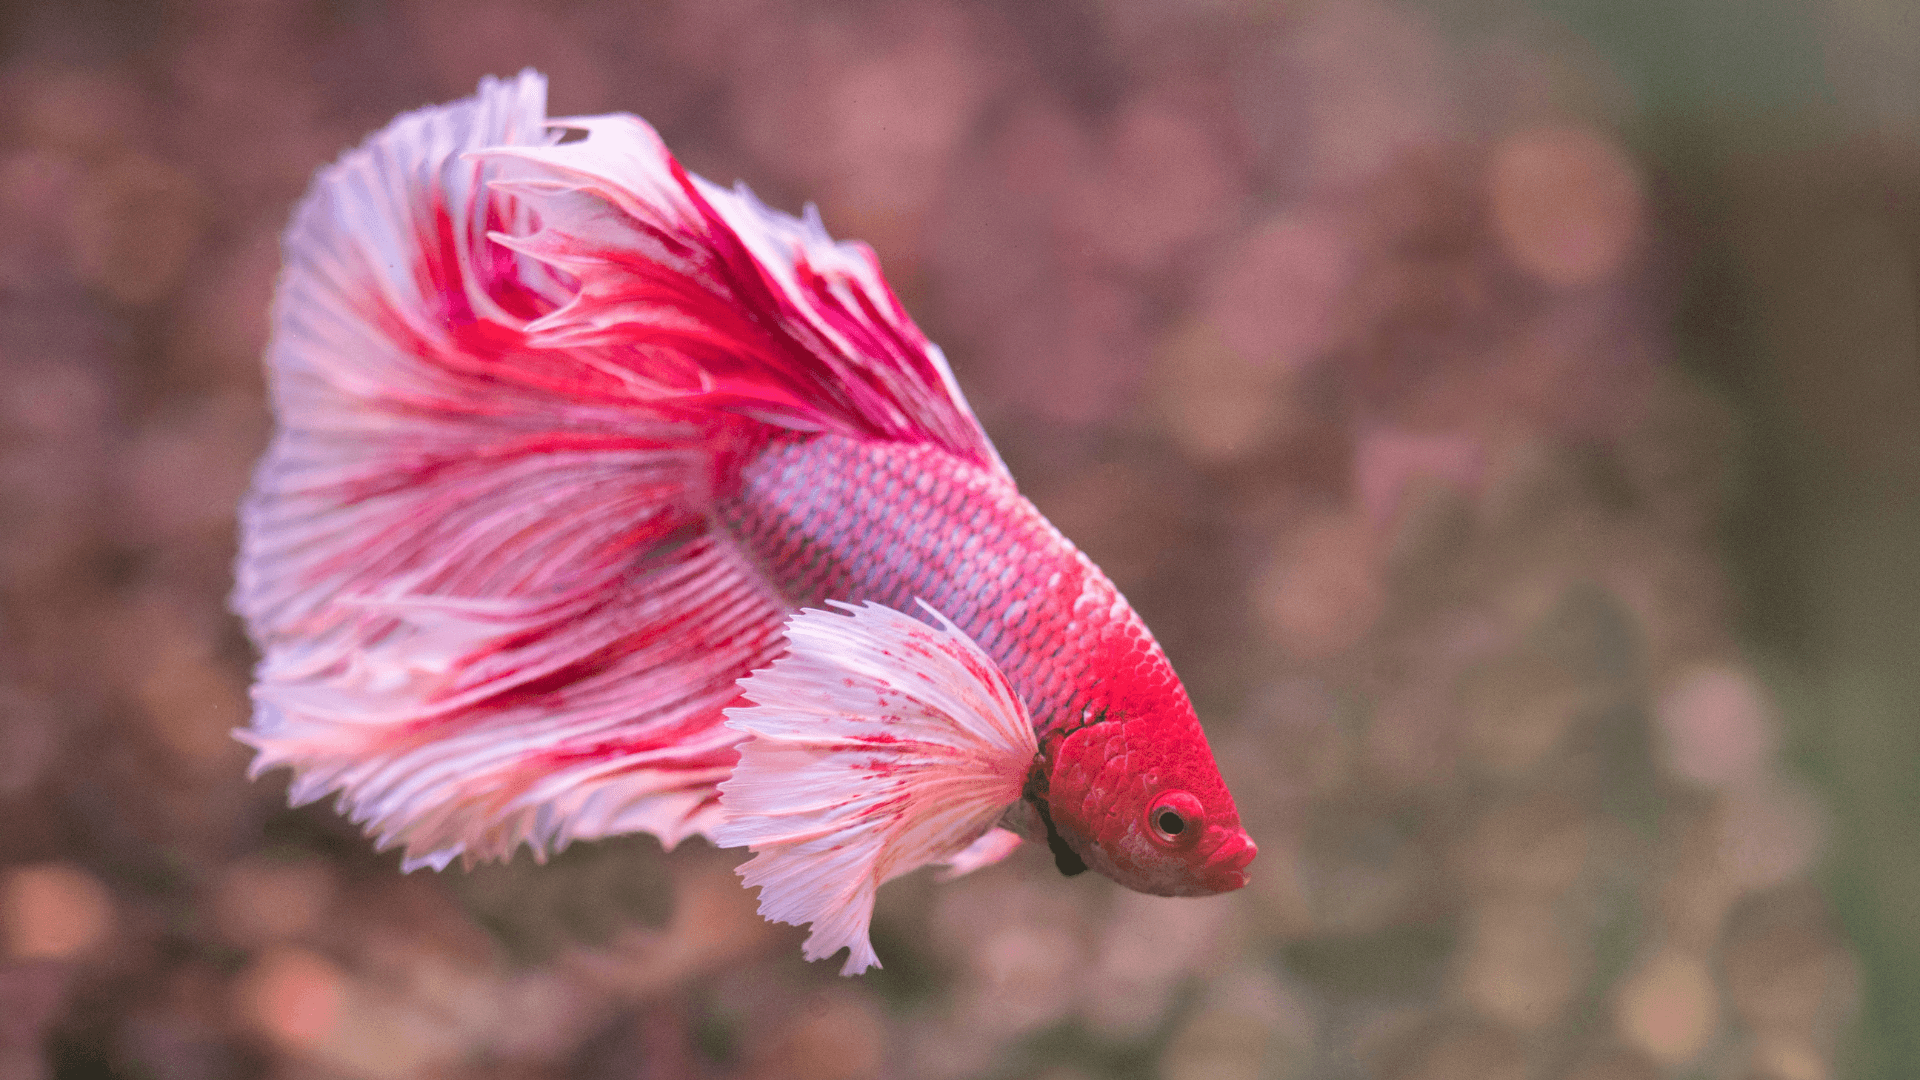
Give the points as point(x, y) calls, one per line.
point(508, 373)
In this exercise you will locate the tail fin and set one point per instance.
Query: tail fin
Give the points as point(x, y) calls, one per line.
point(507, 372)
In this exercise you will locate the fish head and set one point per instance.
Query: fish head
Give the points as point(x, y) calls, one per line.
point(1140, 799)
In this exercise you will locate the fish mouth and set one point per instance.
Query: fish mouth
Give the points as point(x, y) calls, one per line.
point(1226, 868)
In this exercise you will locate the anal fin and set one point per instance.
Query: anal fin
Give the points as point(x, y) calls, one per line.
point(992, 846)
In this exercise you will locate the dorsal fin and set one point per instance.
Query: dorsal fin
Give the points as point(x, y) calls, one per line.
point(705, 298)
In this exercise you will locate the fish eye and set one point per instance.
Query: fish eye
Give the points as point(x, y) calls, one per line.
point(1175, 818)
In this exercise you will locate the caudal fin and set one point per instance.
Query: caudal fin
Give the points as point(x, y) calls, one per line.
point(508, 372)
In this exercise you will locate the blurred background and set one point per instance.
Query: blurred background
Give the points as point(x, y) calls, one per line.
point(1504, 412)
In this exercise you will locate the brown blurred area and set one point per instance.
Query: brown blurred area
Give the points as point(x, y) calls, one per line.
point(1504, 412)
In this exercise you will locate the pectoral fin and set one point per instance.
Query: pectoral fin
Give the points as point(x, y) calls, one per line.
point(879, 744)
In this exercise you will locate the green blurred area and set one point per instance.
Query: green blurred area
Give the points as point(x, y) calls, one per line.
point(1788, 138)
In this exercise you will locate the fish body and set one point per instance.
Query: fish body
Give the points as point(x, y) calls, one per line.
point(606, 500)
point(836, 518)
point(832, 518)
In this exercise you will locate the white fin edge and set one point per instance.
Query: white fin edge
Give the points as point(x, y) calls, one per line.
point(878, 744)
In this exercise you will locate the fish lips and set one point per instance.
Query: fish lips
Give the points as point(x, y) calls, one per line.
point(1225, 867)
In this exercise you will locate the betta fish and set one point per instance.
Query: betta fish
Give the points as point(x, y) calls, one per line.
point(603, 499)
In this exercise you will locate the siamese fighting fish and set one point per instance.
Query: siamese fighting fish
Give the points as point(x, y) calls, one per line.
point(603, 499)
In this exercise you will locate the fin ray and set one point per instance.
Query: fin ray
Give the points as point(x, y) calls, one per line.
point(488, 606)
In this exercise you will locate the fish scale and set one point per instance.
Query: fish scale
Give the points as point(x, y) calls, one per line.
point(832, 518)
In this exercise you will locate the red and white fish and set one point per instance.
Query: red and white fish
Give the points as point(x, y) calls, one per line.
point(606, 500)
